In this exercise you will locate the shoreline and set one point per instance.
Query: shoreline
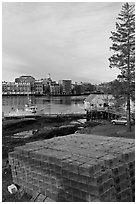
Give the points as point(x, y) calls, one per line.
point(48, 116)
point(57, 95)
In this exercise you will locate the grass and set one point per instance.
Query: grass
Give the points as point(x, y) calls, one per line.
point(111, 131)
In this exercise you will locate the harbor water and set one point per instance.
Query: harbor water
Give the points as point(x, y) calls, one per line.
point(51, 104)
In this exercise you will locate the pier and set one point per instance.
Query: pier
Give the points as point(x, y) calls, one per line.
point(104, 114)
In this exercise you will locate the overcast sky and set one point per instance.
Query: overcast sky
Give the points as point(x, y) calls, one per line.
point(67, 40)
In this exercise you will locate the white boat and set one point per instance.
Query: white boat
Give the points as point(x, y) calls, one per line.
point(25, 134)
point(28, 110)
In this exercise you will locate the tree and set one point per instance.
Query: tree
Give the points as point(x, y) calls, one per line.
point(118, 89)
point(123, 45)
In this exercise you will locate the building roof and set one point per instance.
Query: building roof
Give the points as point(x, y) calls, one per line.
point(99, 97)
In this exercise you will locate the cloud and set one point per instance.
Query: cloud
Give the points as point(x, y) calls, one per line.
point(68, 40)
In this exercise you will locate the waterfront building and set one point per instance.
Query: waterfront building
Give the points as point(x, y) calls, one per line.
point(46, 85)
point(23, 88)
point(38, 87)
point(4, 88)
point(54, 89)
point(99, 102)
point(49, 78)
point(13, 88)
point(65, 87)
point(27, 79)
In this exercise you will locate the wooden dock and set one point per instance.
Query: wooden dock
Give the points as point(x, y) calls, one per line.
point(104, 114)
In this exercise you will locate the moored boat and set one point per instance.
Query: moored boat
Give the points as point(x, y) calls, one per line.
point(28, 110)
point(25, 134)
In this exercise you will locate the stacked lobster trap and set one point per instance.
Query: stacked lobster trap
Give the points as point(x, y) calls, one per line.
point(76, 168)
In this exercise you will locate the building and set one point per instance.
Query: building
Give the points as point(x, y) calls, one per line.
point(46, 84)
point(65, 86)
point(98, 102)
point(13, 88)
point(4, 88)
point(38, 87)
point(27, 79)
point(55, 89)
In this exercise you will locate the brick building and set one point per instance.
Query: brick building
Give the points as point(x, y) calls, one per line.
point(65, 87)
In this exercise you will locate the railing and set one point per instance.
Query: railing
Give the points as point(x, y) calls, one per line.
point(108, 110)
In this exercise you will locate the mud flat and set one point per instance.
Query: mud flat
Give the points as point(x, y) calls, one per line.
point(47, 116)
point(76, 168)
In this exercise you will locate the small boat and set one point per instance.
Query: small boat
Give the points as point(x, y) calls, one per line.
point(24, 134)
point(31, 108)
point(28, 110)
